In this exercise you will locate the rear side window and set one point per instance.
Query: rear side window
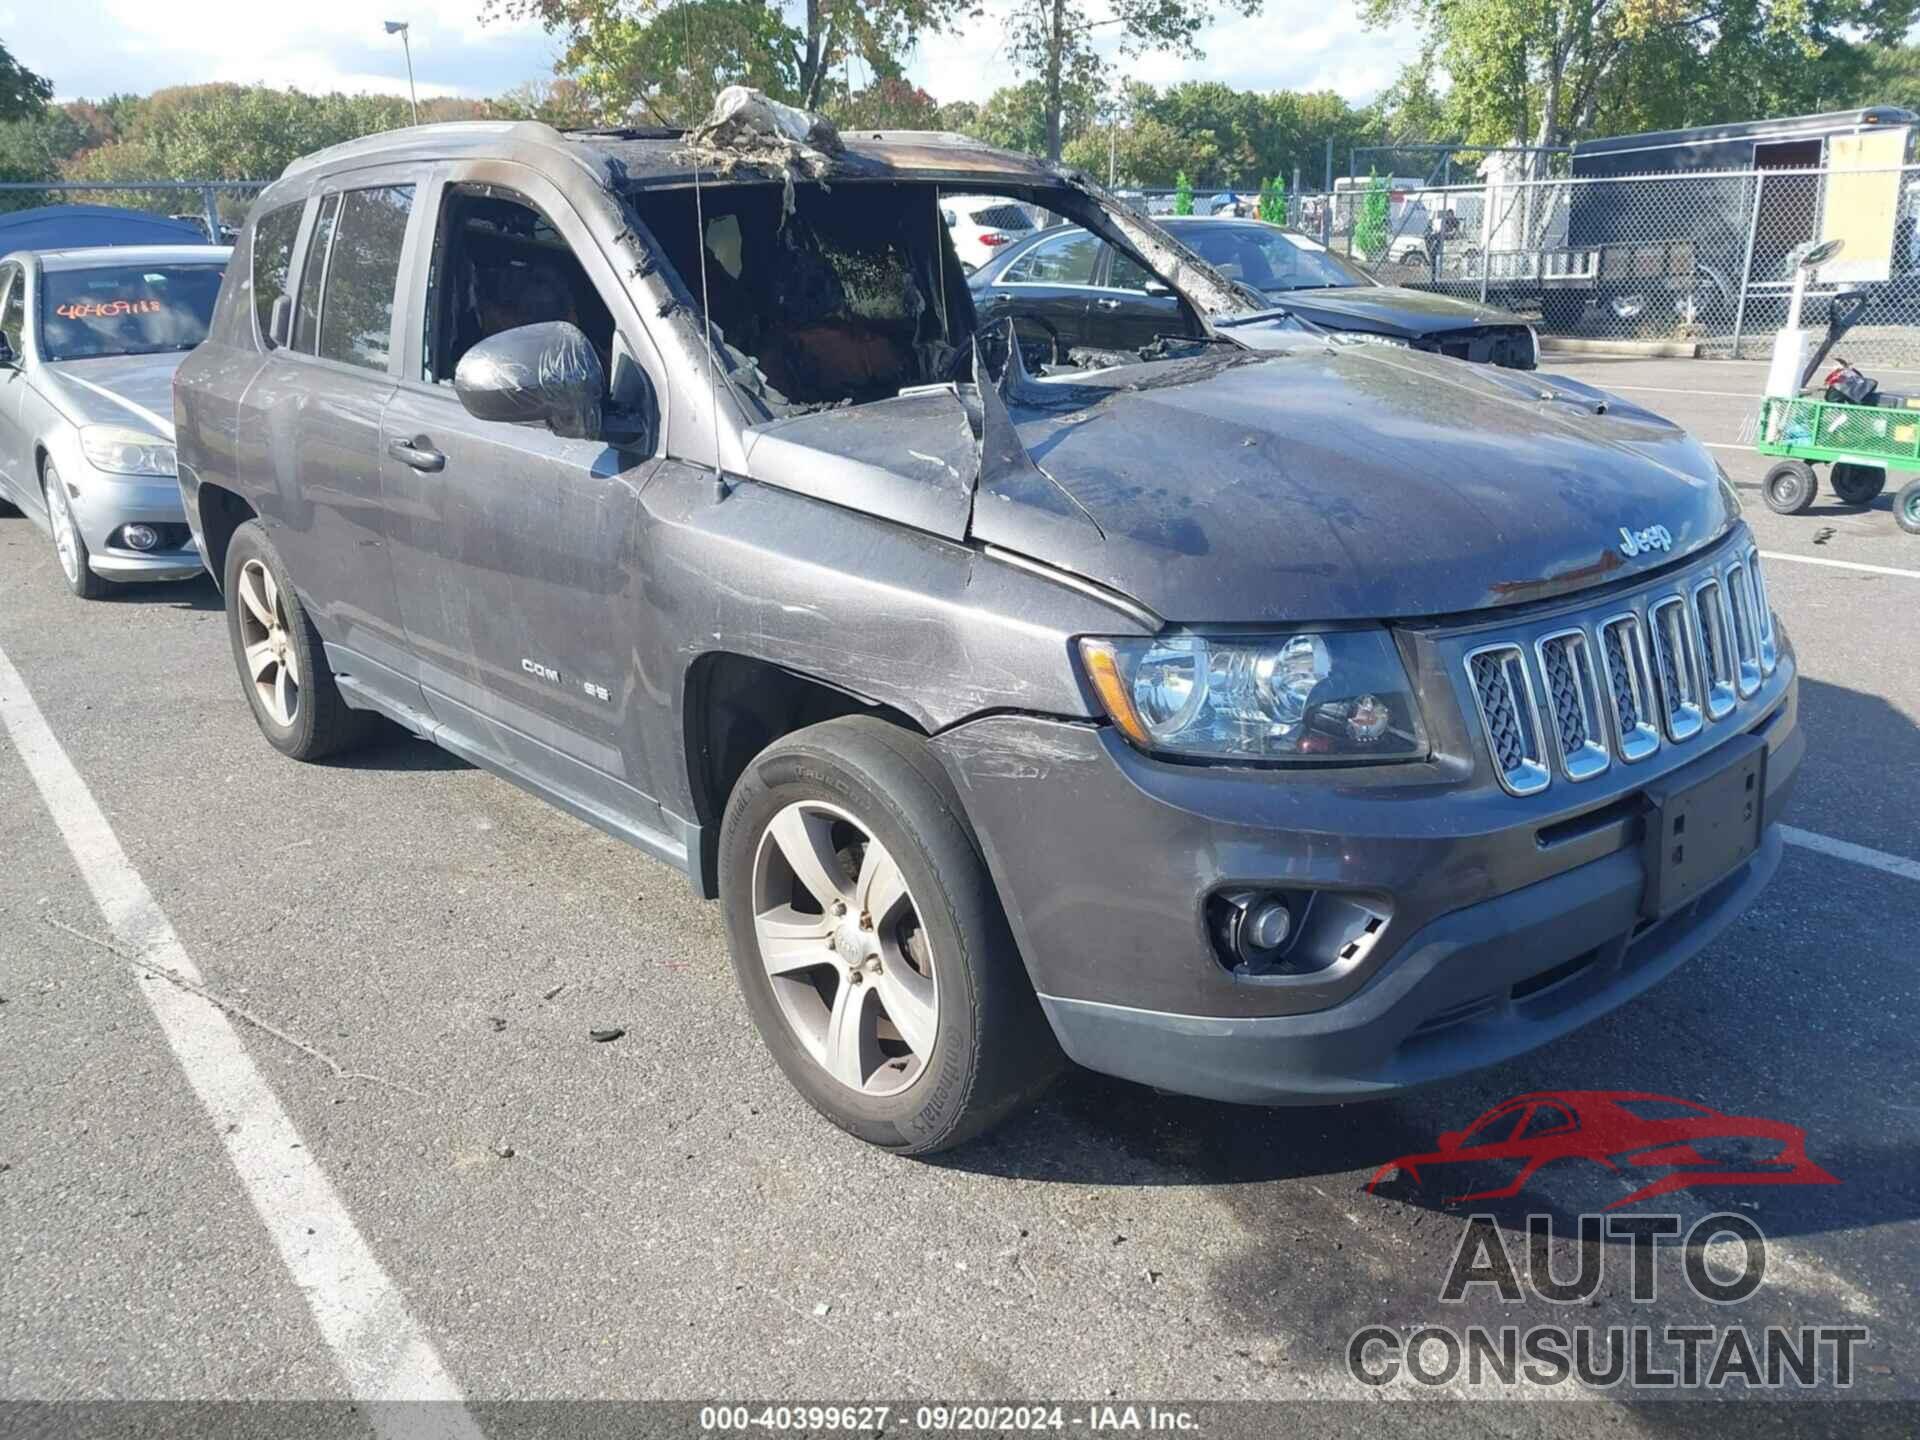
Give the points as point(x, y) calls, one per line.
point(1002, 217)
point(306, 323)
point(273, 235)
point(356, 315)
point(1067, 260)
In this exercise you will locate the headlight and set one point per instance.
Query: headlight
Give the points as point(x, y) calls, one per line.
point(1328, 696)
point(121, 451)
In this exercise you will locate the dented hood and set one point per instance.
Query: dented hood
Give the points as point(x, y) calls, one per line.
point(1351, 483)
point(1321, 483)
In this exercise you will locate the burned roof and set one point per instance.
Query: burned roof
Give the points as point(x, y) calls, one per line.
point(659, 157)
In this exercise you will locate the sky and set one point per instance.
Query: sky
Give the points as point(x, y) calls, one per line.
point(140, 45)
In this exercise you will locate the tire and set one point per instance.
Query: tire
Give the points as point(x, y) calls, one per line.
point(1857, 484)
point(69, 548)
point(941, 953)
point(1790, 487)
point(1906, 507)
point(287, 683)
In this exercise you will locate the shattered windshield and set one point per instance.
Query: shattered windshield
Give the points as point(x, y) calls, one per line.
point(853, 291)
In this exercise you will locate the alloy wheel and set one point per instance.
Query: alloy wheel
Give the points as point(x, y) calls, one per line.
point(66, 538)
point(267, 643)
point(844, 948)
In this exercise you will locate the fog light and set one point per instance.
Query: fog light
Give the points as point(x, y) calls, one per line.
point(140, 537)
point(1250, 927)
point(1266, 926)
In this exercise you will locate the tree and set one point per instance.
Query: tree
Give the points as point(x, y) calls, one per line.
point(1054, 40)
point(1014, 117)
point(1273, 201)
point(23, 94)
point(1547, 71)
point(674, 56)
point(1370, 227)
point(1182, 195)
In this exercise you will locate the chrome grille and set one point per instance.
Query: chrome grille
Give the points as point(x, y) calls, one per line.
point(1717, 669)
point(1623, 652)
point(1744, 627)
point(1573, 699)
point(1678, 655)
point(1677, 667)
point(1503, 691)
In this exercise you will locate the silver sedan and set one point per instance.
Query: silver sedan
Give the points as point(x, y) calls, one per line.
point(89, 341)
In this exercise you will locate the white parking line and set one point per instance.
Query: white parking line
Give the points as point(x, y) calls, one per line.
point(1683, 390)
point(1846, 850)
point(1840, 564)
point(380, 1348)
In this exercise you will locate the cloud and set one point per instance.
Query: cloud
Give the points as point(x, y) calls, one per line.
point(340, 44)
point(315, 44)
point(1326, 48)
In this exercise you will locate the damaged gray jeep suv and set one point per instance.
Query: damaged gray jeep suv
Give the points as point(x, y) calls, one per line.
point(1233, 708)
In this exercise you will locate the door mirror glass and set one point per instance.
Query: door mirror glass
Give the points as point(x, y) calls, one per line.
point(535, 374)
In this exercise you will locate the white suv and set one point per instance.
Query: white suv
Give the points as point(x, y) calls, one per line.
point(982, 224)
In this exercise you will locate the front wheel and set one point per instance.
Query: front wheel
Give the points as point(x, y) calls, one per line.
point(68, 545)
point(869, 941)
point(1857, 484)
point(1906, 507)
point(1790, 487)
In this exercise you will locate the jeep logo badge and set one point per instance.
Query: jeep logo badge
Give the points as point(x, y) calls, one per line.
point(1638, 542)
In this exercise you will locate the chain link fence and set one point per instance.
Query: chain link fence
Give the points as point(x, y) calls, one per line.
point(1702, 260)
point(216, 206)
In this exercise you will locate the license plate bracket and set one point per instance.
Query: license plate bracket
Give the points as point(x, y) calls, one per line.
point(1701, 826)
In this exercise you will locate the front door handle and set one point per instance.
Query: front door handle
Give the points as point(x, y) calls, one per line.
point(1108, 304)
point(417, 452)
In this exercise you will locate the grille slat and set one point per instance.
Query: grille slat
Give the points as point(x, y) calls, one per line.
point(1630, 683)
point(1676, 655)
point(1742, 624)
point(1504, 693)
point(1763, 612)
point(1573, 693)
point(1716, 647)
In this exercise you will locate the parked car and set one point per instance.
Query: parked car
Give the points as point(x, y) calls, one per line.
point(75, 227)
point(1067, 290)
point(1288, 725)
point(982, 225)
point(89, 341)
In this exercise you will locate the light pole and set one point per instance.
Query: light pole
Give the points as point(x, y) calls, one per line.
point(399, 27)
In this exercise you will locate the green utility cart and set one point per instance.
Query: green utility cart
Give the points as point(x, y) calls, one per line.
point(1861, 442)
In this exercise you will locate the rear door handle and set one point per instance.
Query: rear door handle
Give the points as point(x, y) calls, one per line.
point(1108, 304)
point(417, 452)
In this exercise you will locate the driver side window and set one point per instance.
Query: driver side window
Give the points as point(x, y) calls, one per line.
point(499, 263)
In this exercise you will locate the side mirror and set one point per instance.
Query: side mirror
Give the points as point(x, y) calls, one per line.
point(280, 321)
point(1450, 1140)
point(8, 360)
point(545, 374)
point(949, 218)
point(1159, 288)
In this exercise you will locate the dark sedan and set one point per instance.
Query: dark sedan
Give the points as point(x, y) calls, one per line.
point(1068, 290)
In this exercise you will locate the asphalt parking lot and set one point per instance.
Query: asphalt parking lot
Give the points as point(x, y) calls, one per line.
point(414, 952)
